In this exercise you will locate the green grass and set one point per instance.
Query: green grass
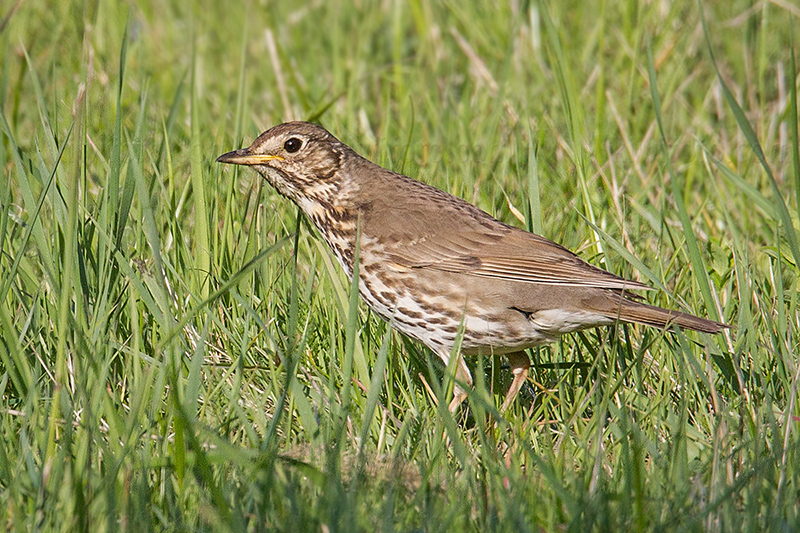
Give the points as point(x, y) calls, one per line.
point(178, 349)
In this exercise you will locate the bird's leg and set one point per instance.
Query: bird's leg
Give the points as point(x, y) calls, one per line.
point(464, 377)
point(520, 364)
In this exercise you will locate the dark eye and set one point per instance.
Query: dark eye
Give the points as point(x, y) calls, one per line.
point(292, 145)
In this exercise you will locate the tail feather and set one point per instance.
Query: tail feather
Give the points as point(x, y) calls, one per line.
point(649, 315)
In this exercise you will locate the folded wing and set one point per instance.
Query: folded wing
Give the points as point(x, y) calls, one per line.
point(458, 237)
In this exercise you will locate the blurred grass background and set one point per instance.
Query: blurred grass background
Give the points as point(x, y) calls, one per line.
point(179, 351)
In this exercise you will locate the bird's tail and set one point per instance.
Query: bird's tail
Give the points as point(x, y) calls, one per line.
point(640, 313)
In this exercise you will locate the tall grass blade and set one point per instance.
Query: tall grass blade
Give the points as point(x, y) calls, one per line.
point(750, 135)
point(202, 230)
point(794, 118)
point(696, 259)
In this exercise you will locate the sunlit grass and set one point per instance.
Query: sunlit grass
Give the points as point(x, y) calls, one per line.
point(178, 349)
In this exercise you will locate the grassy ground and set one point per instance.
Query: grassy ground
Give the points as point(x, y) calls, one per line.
point(179, 351)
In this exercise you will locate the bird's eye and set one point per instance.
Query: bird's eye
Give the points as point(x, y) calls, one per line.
point(292, 145)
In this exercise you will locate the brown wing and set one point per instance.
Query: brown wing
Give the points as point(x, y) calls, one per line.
point(423, 227)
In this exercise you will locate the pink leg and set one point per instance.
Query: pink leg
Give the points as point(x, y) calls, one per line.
point(520, 364)
point(463, 377)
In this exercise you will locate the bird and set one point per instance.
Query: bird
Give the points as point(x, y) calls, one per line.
point(439, 269)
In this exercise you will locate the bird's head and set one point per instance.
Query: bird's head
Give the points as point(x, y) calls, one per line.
point(301, 160)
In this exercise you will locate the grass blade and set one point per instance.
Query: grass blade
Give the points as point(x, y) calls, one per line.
point(750, 135)
point(696, 259)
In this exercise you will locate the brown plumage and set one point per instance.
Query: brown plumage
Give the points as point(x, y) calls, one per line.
point(437, 267)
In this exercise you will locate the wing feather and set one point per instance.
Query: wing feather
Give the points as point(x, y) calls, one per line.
point(438, 231)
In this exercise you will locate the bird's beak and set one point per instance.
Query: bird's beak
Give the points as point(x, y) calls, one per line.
point(246, 157)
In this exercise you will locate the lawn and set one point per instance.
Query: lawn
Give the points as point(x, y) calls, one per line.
point(180, 351)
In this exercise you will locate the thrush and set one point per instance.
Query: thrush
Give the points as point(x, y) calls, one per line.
point(439, 269)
